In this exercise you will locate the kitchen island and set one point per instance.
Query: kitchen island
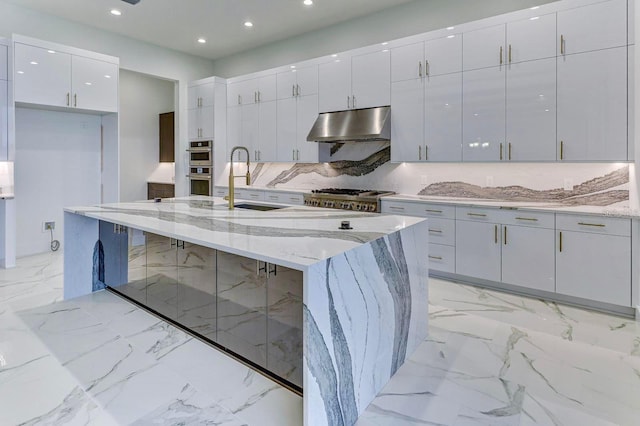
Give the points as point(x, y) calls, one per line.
point(332, 311)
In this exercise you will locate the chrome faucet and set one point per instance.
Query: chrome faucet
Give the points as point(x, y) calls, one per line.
point(232, 176)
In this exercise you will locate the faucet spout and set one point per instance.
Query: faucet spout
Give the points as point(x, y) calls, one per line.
point(232, 176)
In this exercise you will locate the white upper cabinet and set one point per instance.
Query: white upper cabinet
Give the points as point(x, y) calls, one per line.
point(483, 114)
point(42, 77)
point(592, 106)
point(532, 38)
point(201, 95)
point(234, 128)
point(307, 112)
point(242, 92)
point(250, 129)
point(371, 79)
point(407, 120)
point(49, 77)
point(334, 85)
point(593, 27)
point(484, 48)
point(443, 118)
point(407, 62)
point(297, 82)
point(94, 84)
point(3, 63)
point(267, 131)
point(4, 131)
point(443, 55)
point(266, 90)
point(286, 129)
point(531, 111)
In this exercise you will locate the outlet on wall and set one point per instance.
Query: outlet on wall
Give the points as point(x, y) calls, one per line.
point(46, 226)
point(489, 181)
point(568, 184)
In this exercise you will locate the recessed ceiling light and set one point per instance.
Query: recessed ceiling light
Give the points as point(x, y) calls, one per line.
point(33, 63)
point(385, 43)
point(202, 40)
point(107, 76)
point(293, 66)
point(116, 12)
point(308, 2)
point(248, 24)
point(20, 72)
point(88, 83)
point(335, 55)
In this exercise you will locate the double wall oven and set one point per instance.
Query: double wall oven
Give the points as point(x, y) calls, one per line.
point(200, 167)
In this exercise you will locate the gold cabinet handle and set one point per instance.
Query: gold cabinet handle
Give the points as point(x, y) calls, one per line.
point(419, 68)
point(419, 152)
point(495, 233)
point(396, 208)
point(239, 100)
point(509, 150)
point(532, 219)
point(477, 214)
point(68, 98)
point(435, 257)
point(560, 241)
point(297, 90)
point(437, 231)
point(426, 68)
point(505, 235)
point(426, 152)
point(509, 53)
point(348, 102)
point(501, 55)
point(432, 211)
point(562, 44)
point(293, 90)
point(75, 99)
point(500, 151)
point(598, 225)
point(562, 150)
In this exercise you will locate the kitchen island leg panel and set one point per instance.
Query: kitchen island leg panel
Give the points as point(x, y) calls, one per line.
point(365, 312)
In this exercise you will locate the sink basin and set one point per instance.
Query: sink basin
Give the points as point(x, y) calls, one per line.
point(260, 207)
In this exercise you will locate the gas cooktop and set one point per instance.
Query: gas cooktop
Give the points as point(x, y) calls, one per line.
point(347, 199)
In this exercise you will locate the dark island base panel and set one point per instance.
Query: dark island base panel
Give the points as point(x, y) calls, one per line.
point(283, 364)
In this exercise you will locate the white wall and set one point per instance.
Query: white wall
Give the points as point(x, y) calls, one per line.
point(142, 98)
point(411, 18)
point(57, 165)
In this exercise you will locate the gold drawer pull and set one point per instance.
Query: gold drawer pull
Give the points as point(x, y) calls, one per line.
point(598, 225)
point(435, 257)
point(477, 214)
point(294, 199)
point(436, 231)
point(396, 208)
point(273, 197)
point(532, 219)
point(432, 211)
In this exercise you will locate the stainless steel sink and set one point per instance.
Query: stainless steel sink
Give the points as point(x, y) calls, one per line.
point(260, 207)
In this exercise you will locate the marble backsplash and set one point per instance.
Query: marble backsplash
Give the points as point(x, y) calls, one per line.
point(571, 184)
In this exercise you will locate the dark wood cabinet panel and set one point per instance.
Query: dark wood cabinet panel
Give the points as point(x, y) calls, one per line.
point(160, 190)
point(167, 132)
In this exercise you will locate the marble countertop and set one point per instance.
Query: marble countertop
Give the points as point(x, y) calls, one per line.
point(164, 182)
point(294, 237)
point(623, 211)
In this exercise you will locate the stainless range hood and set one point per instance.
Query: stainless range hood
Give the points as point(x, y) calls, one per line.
point(359, 125)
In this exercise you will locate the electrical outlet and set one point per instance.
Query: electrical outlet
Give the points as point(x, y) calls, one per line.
point(489, 181)
point(48, 225)
point(568, 184)
point(424, 179)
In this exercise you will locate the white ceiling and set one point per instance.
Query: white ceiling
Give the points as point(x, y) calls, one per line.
point(176, 24)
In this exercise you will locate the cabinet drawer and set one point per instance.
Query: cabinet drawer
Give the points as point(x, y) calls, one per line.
point(442, 231)
point(594, 224)
point(531, 219)
point(220, 191)
point(442, 258)
point(250, 194)
point(479, 214)
point(284, 197)
point(418, 209)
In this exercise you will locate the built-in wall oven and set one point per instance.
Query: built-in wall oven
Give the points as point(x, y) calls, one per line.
point(200, 167)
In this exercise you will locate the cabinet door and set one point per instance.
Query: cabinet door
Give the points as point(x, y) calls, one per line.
point(233, 94)
point(407, 62)
point(286, 129)
point(483, 117)
point(162, 282)
point(532, 38)
point(286, 84)
point(307, 81)
point(531, 111)
point(206, 93)
point(484, 48)
point(166, 136)
point(94, 84)
point(592, 105)
point(307, 112)
point(196, 277)
point(594, 266)
point(41, 77)
point(242, 301)
point(443, 118)
point(206, 122)
point(268, 131)
point(528, 257)
point(251, 129)
point(194, 124)
point(267, 88)
point(234, 131)
point(597, 26)
point(478, 250)
point(443, 55)
point(334, 85)
point(4, 124)
point(4, 69)
point(371, 79)
point(407, 120)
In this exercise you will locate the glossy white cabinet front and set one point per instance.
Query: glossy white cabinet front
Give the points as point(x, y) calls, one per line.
point(294, 120)
point(267, 132)
point(201, 95)
point(371, 79)
point(334, 85)
point(94, 84)
point(531, 38)
point(443, 55)
point(4, 131)
point(478, 250)
point(306, 115)
point(201, 123)
point(407, 120)
point(528, 258)
point(443, 117)
point(42, 77)
point(297, 82)
point(484, 48)
point(483, 129)
point(407, 62)
point(592, 105)
point(531, 111)
point(4, 66)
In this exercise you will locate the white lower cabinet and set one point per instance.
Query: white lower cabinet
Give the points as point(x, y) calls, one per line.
point(527, 257)
point(442, 258)
point(593, 258)
point(478, 249)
